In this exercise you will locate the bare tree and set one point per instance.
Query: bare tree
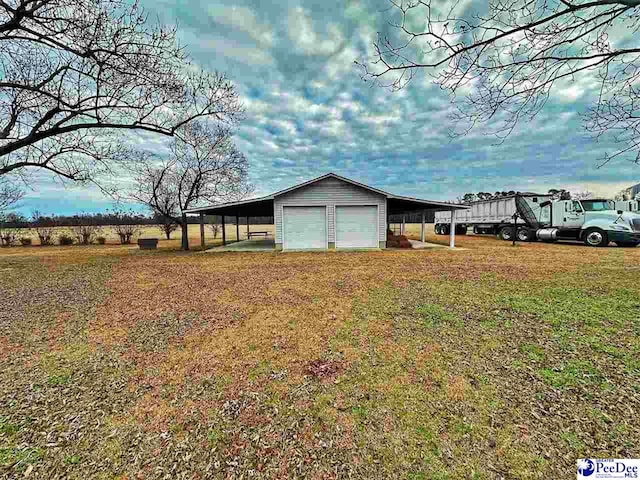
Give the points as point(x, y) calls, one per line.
point(45, 227)
point(586, 195)
point(204, 165)
point(624, 194)
point(215, 229)
point(167, 226)
point(505, 62)
point(74, 73)
point(560, 194)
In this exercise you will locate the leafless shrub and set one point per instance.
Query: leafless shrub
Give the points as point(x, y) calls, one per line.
point(65, 239)
point(126, 233)
point(86, 230)
point(8, 235)
point(45, 227)
point(124, 226)
point(8, 232)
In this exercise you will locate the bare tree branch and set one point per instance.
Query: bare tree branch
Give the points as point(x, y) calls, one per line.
point(506, 63)
point(10, 195)
point(93, 69)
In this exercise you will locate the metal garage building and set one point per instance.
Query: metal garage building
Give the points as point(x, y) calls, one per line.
point(328, 212)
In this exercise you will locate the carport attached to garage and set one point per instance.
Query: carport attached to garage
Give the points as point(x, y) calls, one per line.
point(328, 212)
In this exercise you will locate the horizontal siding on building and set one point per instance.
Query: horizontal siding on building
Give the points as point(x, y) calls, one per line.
point(331, 192)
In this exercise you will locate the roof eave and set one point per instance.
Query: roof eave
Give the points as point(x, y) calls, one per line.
point(229, 204)
point(450, 206)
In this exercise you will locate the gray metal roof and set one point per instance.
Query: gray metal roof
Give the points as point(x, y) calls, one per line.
point(398, 203)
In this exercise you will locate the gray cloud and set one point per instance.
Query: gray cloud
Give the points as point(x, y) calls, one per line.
point(308, 112)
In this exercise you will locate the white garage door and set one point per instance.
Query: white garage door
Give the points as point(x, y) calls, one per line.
point(304, 227)
point(357, 227)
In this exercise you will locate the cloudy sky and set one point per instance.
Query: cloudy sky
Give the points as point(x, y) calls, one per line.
point(308, 112)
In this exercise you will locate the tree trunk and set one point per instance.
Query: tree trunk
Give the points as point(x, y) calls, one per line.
point(167, 233)
point(185, 232)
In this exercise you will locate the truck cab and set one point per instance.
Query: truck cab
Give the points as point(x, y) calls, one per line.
point(595, 221)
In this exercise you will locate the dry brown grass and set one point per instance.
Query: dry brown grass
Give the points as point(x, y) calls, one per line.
point(487, 362)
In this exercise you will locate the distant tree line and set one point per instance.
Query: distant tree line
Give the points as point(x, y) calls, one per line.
point(86, 228)
point(37, 219)
point(556, 194)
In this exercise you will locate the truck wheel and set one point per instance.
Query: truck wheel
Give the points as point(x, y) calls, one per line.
point(506, 233)
point(524, 235)
point(594, 237)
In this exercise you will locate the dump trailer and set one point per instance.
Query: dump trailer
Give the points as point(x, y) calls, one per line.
point(596, 222)
point(493, 217)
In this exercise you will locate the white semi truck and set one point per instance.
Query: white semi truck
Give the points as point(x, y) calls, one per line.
point(596, 222)
point(628, 205)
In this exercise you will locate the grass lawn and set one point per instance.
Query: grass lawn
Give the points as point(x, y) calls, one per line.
point(483, 363)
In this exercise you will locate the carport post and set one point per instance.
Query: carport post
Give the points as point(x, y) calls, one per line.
point(247, 226)
point(224, 234)
point(452, 233)
point(422, 228)
point(202, 230)
point(402, 229)
point(237, 228)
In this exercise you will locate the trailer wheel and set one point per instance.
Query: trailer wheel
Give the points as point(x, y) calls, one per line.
point(524, 235)
point(594, 237)
point(437, 229)
point(506, 233)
